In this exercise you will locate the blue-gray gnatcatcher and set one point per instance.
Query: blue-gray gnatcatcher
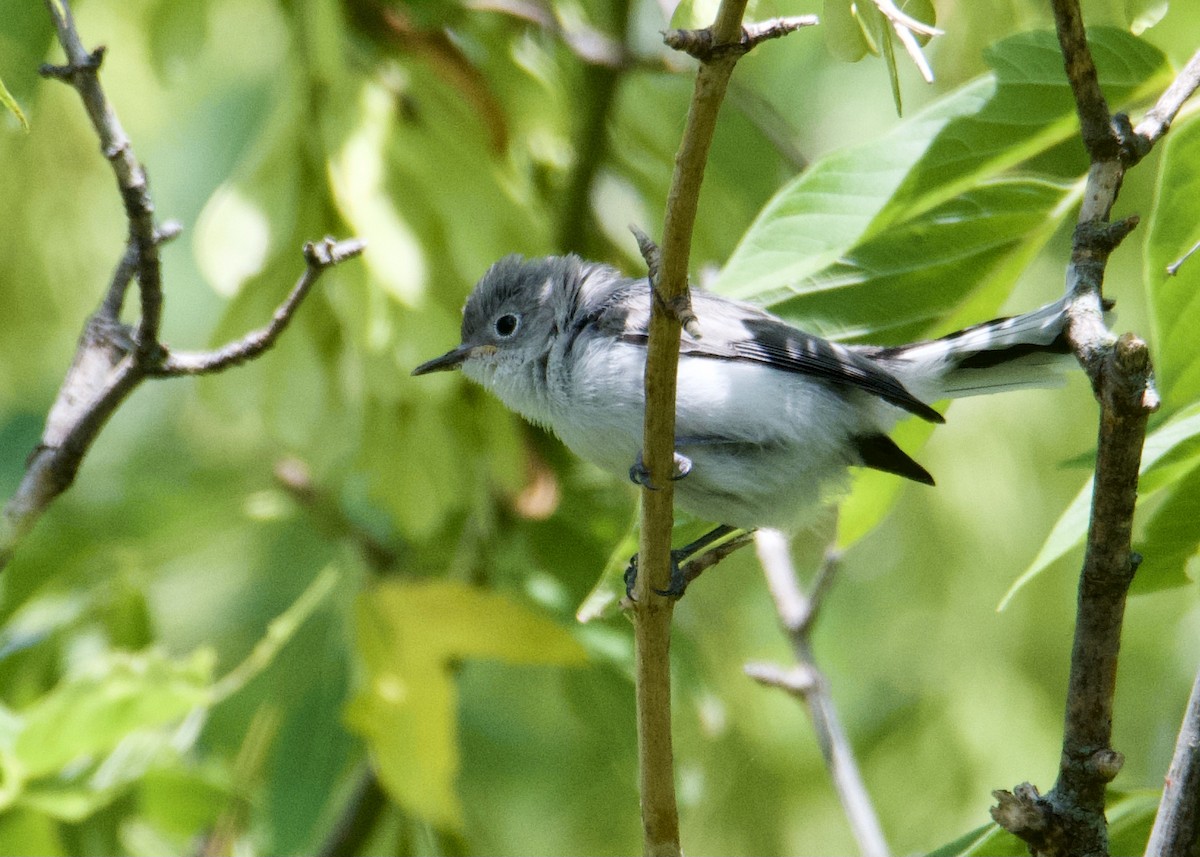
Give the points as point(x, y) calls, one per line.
point(768, 417)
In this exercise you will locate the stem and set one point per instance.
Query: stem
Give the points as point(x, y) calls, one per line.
point(797, 614)
point(652, 612)
point(1175, 828)
point(1070, 819)
point(718, 48)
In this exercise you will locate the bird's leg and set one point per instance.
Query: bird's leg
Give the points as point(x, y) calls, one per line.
point(679, 577)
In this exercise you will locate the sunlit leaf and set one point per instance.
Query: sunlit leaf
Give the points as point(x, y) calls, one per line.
point(410, 634)
point(250, 216)
point(960, 141)
point(842, 32)
point(28, 832)
point(1144, 14)
point(1030, 111)
point(1171, 537)
point(1173, 230)
point(9, 103)
point(1071, 527)
point(817, 218)
point(357, 176)
point(898, 285)
point(115, 695)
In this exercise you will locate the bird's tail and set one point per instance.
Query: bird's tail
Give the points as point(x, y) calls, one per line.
point(1028, 350)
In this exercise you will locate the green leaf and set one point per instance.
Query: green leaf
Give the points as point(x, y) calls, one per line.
point(182, 800)
point(818, 217)
point(115, 695)
point(1130, 818)
point(251, 218)
point(7, 101)
point(958, 143)
point(990, 839)
point(1144, 14)
point(410, 634)
point(178, 31)
point(357, 176)
point(1031, 110)
point(1173, 230)
point(842, 32)
point(1071, 527)
point(604, 597)
point(1171, 536)
point(24, 831)
point(877, 31)
point(983, 238)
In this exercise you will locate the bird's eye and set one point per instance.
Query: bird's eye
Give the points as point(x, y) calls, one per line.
point(506, 325)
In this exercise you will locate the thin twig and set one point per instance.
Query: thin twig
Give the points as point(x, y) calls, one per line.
point(82, 72)
point(319, 256)
point(330, 518)
point(713, 555)
point(900, 19)
point(797, 614)
point(705, 45)
point(1174, 267)
point(907, 28)
point(1159, 118)
point(112, 359)
point(1175, 828)
point(913, 47)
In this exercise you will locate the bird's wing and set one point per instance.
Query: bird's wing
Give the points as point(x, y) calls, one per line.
point(731, 330)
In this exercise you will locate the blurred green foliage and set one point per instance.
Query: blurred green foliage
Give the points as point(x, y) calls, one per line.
point(202, 647)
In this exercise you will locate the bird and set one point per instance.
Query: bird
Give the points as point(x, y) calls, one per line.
point(768, 417)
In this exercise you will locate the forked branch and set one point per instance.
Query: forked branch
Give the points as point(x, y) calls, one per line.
point(113, 358)
point(1070, 818)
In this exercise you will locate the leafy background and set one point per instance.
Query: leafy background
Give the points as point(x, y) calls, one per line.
point(194, 656)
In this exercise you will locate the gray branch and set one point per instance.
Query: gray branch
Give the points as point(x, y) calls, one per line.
point(797, 614)
point(1159, 118)
point(1175, 828)
point(112, 358)
point(1070, 818)
point(320, 257)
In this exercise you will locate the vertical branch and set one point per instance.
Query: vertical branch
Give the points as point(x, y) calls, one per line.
point(1175, 828)
point(82, 72)
point(652, 613)
point(718, 49)
point(1070, 819)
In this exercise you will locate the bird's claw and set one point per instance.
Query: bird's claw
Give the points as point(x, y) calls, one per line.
point(676, 586)
point(639, 474)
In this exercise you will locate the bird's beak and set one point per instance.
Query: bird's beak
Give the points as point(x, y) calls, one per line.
point(450, 360)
